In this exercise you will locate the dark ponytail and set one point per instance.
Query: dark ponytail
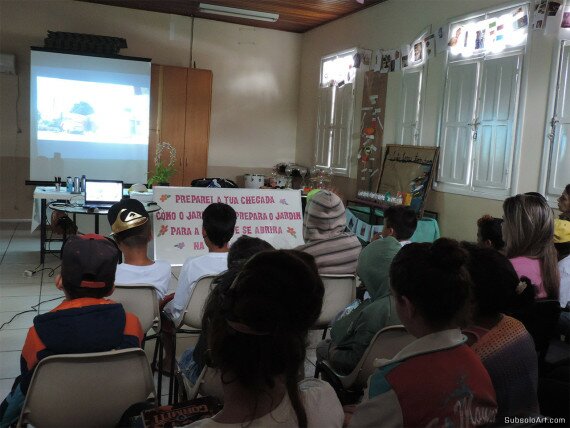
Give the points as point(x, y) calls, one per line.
point(434, 278)
point(295, 399)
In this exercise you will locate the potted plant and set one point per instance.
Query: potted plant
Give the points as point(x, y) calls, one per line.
point(162, 173)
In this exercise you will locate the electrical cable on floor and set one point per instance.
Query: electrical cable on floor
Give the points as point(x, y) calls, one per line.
point(51, 272)
point(34, 308)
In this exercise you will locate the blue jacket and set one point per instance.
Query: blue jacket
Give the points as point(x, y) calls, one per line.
point(74, 327)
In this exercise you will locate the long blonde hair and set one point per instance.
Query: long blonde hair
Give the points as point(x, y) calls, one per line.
point(528, 231)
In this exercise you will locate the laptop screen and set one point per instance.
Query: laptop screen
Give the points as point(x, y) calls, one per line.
point(103, 191)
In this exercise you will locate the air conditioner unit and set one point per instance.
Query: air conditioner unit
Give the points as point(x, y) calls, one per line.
point(7, 64)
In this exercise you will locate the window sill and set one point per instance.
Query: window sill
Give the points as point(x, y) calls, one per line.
point(496, 194)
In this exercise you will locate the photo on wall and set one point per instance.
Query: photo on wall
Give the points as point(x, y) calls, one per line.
point(429, 42)
point(418, 51)
point(539, 15)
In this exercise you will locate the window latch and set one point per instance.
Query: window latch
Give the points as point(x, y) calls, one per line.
point(474, 126)
point(552, 132)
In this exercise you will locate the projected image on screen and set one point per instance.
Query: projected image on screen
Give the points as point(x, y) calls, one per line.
point(73, 110)
point(89, 115)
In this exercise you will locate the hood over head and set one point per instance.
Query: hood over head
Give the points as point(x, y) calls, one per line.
point(374, 265)
point(324, 217)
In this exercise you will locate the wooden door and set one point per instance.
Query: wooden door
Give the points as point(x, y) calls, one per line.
point(168, 115)
point(197, 133)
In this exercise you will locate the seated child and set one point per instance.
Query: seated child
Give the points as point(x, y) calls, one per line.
point(351, 334)
point(258, 338)
point(334, 248)
point(489, 232)
point(399, 222)
point(528, 231)
point(84, 322)
point(437, 380)
point(502, 342)
point(562, 245)
point(218, 224)
point(131, 229)
point(194, 359)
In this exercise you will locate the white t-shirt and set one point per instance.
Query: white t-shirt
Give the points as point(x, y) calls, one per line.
point(564, 268)
point(192, 270)
point(158, 275)
point(319, 399)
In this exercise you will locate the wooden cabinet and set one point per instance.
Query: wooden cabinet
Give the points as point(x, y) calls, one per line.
point(180, 107)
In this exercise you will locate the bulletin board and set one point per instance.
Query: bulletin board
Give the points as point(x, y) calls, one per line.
point(409, 169)
point(371, 130)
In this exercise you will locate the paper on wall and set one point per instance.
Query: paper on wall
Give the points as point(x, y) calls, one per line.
point(385, 61)
point(429, 43)
point(554, 17)
point(405, 53)
point(377, 60)
point(441, 40)
point(539, 16)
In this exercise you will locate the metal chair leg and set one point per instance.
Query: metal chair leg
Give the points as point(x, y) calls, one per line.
point(172, 369)
point(159, 369)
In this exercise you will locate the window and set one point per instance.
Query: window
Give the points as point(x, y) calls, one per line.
point(556, 164)
point(336, 107)
point(480, 106)
point(411, 99)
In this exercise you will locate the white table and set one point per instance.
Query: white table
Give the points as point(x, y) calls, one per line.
point(43, 195)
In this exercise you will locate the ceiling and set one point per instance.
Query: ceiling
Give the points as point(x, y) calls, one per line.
point(296, 16)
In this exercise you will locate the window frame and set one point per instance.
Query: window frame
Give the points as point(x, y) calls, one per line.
point(417, 140)
point(417, 68)
point(515, 157)
point(548, 146)
point(347, 169)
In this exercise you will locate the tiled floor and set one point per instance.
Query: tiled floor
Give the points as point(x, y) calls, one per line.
point(19, 251)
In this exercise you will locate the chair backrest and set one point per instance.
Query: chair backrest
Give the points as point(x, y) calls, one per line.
point(209, 383)
point(87, 390)
point(139, 299)
point(385, 344)
point(340, 291)
point(541, 321)
point(194, 310)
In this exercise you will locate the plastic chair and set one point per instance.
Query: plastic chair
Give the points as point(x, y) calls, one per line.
point(141, 300)
point(541, 321)
point(87, 390)
point(340, 291)
point(191, 317)
point(209, 383)
point(385, 345)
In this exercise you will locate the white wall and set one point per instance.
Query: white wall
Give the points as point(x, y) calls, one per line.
point(255, 86)
point(396, 22)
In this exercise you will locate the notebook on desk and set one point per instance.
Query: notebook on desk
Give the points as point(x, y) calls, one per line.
point(102, 193)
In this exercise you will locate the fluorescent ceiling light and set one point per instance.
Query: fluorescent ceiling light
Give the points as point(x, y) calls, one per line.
point(238, 13)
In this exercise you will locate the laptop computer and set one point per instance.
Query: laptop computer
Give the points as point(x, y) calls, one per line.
point(102, 193)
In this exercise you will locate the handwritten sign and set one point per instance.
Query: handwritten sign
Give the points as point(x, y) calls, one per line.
point(272, 215)
point(409, 169)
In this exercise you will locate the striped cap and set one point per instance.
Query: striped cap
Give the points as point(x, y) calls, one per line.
point(324, 217)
